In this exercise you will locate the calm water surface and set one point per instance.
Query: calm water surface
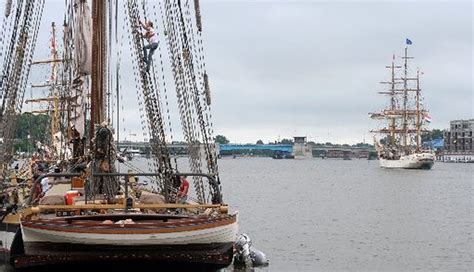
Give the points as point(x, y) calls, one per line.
point(353, 215)
point(310, 215)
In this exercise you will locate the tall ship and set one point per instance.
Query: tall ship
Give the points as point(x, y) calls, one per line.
point(77, 206)
point(398, 141)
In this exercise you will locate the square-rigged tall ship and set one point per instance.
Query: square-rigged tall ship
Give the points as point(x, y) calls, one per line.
point(404, 119)
point(87, 210)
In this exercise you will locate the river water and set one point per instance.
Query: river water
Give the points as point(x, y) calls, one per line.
point(352, 215)
point(310, 215)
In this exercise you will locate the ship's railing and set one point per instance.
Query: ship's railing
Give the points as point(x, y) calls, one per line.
point(216, 194)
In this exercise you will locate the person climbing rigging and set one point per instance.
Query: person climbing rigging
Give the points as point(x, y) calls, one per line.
point(152, 45)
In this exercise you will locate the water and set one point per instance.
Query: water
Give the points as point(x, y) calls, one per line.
point(352, 215)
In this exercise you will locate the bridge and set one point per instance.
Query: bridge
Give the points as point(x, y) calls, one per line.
point(144, 147)
point(230, 149)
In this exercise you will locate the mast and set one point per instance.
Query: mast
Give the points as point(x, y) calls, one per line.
point(405, 101)
point(52, 79)
point(53, 99)
point(418, 112)
point(99, 58)
point(392, 103)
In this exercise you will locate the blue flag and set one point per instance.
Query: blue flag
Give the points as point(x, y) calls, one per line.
point(408, 41)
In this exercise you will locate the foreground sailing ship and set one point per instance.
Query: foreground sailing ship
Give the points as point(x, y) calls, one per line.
point(405, 117)
point(87, 211)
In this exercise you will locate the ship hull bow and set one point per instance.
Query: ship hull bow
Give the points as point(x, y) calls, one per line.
point(414, 161)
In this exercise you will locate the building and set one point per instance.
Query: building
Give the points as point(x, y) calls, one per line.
point(301, 149)
point(458, 141)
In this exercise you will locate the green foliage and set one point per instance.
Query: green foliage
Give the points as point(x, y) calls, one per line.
point(286, 141)
point(259, 142)
point(36, 126)
point(363, 145)
point(221, 139)
point(311, 143)
point(432, 135)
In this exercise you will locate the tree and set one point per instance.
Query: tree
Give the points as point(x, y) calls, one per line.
point(31, 128)
point(432, 135)
point(311, 143)
point(221, 139)
point(259, 142)
point(437, 134)
point(286, 141)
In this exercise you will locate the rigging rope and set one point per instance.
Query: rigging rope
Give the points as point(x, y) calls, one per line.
point(17, 67)
point(151, 102)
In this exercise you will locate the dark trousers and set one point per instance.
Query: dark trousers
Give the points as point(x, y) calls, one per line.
point(152, 47)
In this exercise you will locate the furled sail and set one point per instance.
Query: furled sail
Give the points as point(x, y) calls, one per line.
point(78, 103)
point(8, 8)
point(83, 39)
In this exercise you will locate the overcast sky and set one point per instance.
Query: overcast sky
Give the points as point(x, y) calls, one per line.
point(312, 68)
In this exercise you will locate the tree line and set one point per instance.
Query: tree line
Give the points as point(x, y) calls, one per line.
point(30, 129)
point(426, 136)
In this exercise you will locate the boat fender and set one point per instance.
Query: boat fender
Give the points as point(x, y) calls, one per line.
point(246, 255)
point(258, 257)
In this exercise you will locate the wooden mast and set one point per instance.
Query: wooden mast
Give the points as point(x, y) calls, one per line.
point(54, 56)
point(52, 83)
point(99, 54)
point(392, 103)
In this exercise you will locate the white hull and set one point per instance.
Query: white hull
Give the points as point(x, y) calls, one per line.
point(224, 234)
point(413, 161)
point(204, 241)
point(219, 234)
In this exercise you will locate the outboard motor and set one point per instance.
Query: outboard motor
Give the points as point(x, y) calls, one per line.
point(245, 254)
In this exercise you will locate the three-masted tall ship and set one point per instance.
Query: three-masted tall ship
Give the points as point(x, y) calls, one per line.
point(399, 141)
point(86, 210)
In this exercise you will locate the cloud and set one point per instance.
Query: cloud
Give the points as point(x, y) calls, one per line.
point(309, 67)
point(285, 68)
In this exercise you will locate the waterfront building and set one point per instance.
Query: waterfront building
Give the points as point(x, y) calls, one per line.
point(301, 149)
point(458, 141)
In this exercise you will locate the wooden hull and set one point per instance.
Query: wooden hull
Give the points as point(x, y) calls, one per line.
point(219, 234)
point(214, 255)
point(158, 238)
point(413, 161)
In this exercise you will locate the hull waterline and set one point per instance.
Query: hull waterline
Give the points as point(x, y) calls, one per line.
point(413, 161)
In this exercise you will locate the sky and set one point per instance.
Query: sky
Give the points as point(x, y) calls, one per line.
point(280, 69)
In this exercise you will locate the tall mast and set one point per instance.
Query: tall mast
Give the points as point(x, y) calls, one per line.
point(405, 101)
point(392, 103)
point(418, 112)
point(99, 58)
point(52, 79)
